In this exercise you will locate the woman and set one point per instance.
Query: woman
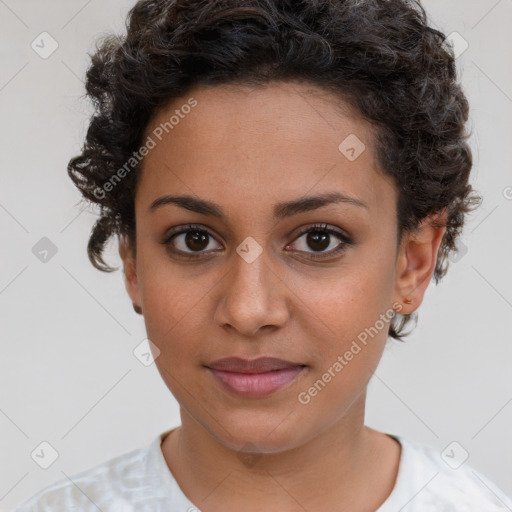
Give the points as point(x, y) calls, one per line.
point(284, 178)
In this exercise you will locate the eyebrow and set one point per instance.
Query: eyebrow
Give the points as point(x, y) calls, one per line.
point(281, 210)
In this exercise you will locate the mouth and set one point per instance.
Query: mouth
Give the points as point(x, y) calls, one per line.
point(254, 378)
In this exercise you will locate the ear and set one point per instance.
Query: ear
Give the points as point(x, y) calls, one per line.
point(127, 253)
point(416, 261)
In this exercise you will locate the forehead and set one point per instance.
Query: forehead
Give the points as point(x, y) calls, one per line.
point(278, 141)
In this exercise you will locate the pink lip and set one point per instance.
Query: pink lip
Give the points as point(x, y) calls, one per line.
point(254, 385)
point(256, 378)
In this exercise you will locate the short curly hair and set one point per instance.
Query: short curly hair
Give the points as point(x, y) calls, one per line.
point(379, 56)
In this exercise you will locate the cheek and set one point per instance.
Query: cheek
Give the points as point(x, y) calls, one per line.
point(169, 302)
point(172, 309)
point(348, 328)
point(347, 302)
point(347, 317)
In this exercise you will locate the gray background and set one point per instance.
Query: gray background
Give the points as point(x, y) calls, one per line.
point(68, 374)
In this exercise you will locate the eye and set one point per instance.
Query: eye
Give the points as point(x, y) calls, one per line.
point(320, 238)
point(190, 241)
point(193, 241)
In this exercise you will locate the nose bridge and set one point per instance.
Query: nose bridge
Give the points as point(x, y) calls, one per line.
point(250, 295)
point(250, 269)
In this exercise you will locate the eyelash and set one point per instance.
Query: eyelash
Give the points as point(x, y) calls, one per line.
point(323, 228)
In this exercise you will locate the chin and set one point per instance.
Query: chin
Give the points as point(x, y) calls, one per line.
point(270, 433)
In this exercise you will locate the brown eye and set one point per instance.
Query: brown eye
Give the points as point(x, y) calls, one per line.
point(189, 241)
point(196, 240)
point(318, 240)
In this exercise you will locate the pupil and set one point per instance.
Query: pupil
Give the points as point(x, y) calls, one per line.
point(196, 237)
point(318, 238)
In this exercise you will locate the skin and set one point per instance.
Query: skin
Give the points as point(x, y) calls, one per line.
point(248, 149)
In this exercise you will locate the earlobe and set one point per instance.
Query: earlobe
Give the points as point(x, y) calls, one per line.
point(417, 260)
point(130, 272)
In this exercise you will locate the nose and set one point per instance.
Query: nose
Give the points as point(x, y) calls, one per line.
point(251, 297)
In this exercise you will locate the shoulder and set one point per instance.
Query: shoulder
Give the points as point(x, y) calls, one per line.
point(442, 481)
point(103, 487)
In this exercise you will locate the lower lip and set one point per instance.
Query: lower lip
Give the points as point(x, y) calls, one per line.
point(255, 385)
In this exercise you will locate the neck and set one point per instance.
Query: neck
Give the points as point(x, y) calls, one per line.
point(334, 466)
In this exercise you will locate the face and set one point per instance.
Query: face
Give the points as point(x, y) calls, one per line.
point(259, 274)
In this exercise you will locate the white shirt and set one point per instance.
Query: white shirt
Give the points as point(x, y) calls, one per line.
point(140, 481)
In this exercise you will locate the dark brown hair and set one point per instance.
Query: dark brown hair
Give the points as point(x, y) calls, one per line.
point(380, 56)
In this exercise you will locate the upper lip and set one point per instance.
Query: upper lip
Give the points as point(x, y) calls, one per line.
point(259, 365)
